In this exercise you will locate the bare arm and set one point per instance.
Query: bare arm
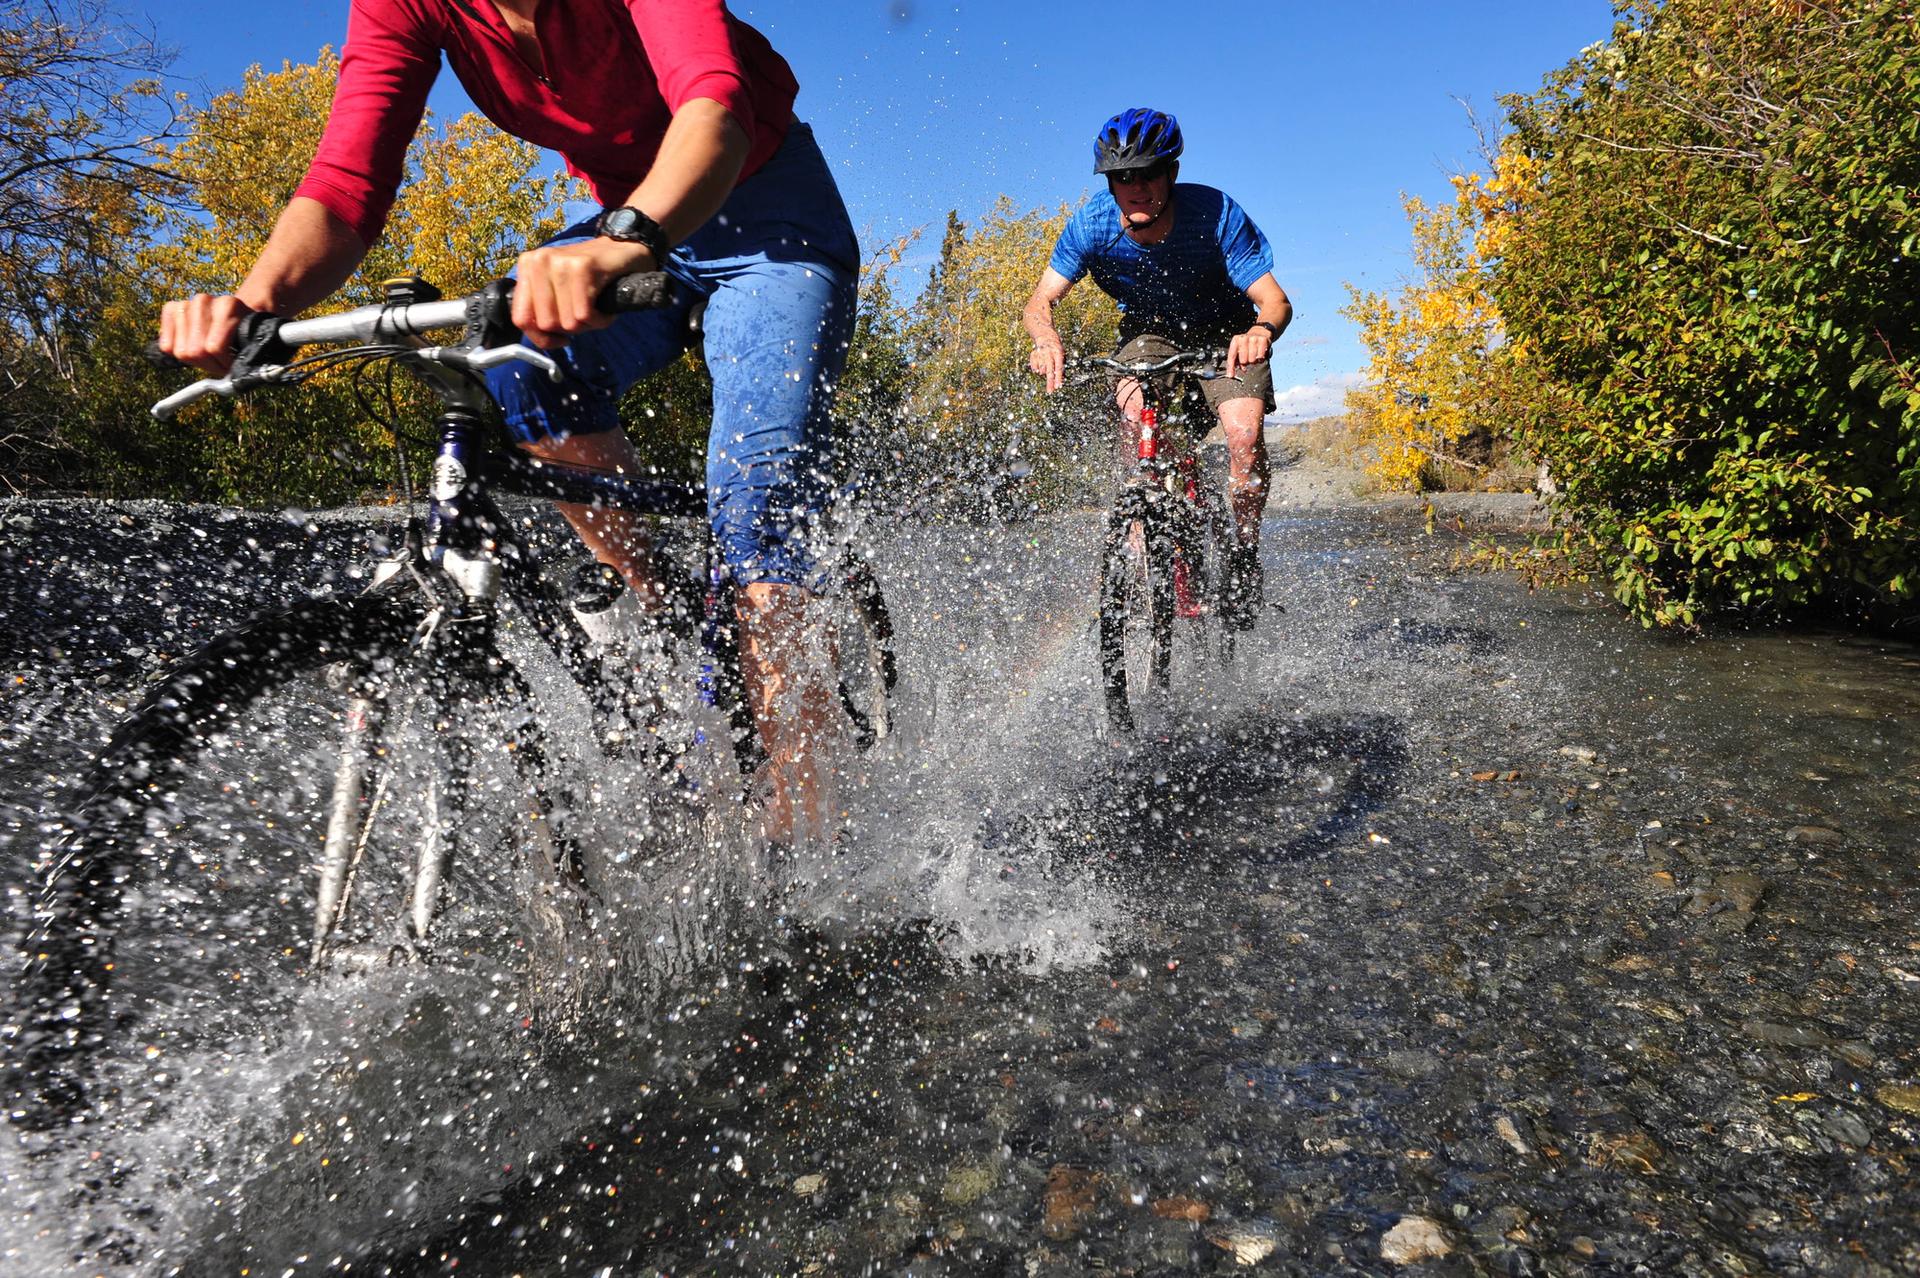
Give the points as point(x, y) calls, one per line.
point(698, 164)
point(1049, 353)
point(310, 254)
point(1256, 344)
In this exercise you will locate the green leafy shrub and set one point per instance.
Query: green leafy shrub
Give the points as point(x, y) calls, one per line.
point(1712, 292)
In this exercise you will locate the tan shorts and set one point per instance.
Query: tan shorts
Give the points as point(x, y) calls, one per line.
point(1255, 381)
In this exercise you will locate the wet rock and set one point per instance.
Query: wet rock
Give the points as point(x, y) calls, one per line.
point(968, 1183)
point(1784, 1035)
point(1905, 1100)
point(1068, 1200)
point(20, 522)
point(1817, 834)
point(809, 1185)
point(1846, 1127)
point(1248, 1246)
point(1413, 1063)
point(1739, 891)
point(1581, 754)
point(1414, 1239)
point(1190, 1209)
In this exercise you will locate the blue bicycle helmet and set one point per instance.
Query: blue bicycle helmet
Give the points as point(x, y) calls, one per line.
point(1136, 139)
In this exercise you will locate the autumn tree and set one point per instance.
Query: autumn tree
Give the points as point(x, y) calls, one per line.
point(973, 400)
point(1432, 398)
point(471, 199)
point(82, 116)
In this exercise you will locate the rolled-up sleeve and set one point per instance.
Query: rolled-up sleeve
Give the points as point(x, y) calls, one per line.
point(386, 70)
point(692, 46)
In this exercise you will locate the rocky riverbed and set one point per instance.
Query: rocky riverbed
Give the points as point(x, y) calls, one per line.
point(1453, 930)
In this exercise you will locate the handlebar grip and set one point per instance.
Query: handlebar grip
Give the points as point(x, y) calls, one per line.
point(160, 360)
point(644, 291)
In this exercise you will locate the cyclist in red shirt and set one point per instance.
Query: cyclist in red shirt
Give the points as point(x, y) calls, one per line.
point(680, 118)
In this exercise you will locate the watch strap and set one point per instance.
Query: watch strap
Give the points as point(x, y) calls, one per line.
point(632, 226)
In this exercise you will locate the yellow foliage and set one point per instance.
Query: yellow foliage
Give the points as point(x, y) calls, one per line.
point(472, 198)
point(973, 348)
point(1432, 349)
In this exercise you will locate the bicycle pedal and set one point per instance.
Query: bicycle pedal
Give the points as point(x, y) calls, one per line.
point(365, 957)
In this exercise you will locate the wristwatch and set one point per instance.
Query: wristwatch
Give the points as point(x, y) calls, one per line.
point(631, 226)
point(1273, 329)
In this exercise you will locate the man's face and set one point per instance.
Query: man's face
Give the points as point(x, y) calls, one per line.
point(1141, 193)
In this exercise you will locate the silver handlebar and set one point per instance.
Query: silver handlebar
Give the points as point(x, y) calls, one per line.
point(1146, 368)
point(312, 331)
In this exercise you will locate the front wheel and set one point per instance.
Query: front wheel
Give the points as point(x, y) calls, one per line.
point(317, 757)
point(1136, 606)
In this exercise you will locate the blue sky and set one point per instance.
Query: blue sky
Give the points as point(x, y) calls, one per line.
point(1315, 117)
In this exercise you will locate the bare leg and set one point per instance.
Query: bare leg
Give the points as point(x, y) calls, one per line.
point(616, 538)
point(790, 687)
point(1248, 467)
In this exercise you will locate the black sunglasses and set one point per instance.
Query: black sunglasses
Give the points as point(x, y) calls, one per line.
point(1127, 177)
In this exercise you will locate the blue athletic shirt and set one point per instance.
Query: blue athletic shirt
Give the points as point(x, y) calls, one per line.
point(1196, 279)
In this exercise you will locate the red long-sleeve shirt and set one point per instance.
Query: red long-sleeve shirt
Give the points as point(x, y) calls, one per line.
point(616, 70)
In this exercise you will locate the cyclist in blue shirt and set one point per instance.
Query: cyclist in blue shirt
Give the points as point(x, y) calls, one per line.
point(1190, 271)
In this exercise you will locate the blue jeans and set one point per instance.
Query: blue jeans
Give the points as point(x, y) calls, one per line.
point(778, 267)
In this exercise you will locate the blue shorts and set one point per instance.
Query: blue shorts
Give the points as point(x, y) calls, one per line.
point(779, 268)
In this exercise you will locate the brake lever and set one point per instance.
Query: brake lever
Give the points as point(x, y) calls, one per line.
point(492, 357)
point(226, 386)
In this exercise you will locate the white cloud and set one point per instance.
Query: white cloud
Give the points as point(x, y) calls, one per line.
point(1322, 397)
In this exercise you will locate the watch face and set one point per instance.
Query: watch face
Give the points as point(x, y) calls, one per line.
point(618, 224)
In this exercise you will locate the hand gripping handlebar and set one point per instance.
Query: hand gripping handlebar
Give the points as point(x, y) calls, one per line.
point(267, 343)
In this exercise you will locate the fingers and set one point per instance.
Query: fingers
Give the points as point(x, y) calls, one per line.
point(1248, 349)
point(200, 330)
point(555, 287)
point(1049, 362)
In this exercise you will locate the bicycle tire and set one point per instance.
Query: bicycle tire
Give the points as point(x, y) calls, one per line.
point(1221, 539)
point(1136, 598)
point(96, 860)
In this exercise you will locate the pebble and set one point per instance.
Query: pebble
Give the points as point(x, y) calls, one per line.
point(1784, 1035)
point(1812, 834)
point(809, 1185)
point(1246, 1246)
point(1504, 1128)
point(1846, 1127)
point(1739, 891)
point(1414, 1239)
point(20, 522)
point(1191, 1209)
point(1406, 1062)
point(968, 1183)
point(1068, 1200)
point(1897, 1097)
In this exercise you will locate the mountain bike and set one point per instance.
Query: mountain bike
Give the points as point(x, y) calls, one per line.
point(391, 713)
point(1163, 563)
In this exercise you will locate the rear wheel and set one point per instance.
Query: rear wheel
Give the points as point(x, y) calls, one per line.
point(866, 666)
point(1136, 606)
